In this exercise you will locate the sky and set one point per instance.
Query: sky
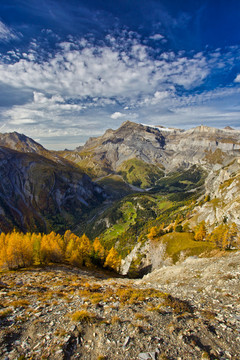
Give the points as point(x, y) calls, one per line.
point(70, 69)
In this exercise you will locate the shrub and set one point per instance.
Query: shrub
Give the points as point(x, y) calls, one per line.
point(82, 316)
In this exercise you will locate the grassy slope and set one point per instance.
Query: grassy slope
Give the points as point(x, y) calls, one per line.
point(129, 220)
point(176, 243)
point(182, 180)
point(115, 186)
point(139, 173)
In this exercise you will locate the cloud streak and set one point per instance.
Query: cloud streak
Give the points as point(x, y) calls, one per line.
point(6, 33)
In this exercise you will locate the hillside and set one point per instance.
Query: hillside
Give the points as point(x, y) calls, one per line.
point(39, 194)
point(22, 143)
point(187, 311)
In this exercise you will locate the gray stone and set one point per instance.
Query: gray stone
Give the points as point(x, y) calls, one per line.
point(126, 342)
point(147, 356)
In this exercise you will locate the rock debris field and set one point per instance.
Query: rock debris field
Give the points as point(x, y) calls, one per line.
point(186, 311)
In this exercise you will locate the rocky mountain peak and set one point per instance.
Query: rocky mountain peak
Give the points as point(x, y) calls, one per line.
point(20, 142)
point(204, 129)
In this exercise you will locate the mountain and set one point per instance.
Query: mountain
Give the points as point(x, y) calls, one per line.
point(151, 176)
point(25, 144)
point(166, 149)
point(188, 176)
point(39, 194)
point(171, 215)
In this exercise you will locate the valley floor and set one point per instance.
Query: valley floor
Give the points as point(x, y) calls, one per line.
point(186, 311)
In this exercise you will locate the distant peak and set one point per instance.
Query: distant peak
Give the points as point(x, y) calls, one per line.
point(204, 128)
point(228, 128)
point(128, 123)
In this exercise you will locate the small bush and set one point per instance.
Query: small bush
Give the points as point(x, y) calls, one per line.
point(178, 306)
point(115, 320)
point(83, 316)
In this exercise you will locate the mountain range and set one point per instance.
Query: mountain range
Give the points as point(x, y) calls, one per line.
point(122, 183)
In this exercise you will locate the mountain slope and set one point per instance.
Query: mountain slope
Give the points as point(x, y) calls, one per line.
point(38, 194)
point(25, 144)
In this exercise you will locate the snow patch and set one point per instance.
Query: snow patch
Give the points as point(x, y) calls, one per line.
point(160, 128)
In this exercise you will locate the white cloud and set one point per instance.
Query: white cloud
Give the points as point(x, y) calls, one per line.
point(160, 95)
point(237, 78)
point(81, 78)
point(102, 71)
point(42, 109)
point(6, 33)
point(117, 115)
point(156, 37)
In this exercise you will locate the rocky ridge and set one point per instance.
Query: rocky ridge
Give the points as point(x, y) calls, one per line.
point(170, 148)
point(222, 186)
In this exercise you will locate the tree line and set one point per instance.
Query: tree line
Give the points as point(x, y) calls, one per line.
point(19, 250)
point(224, 236)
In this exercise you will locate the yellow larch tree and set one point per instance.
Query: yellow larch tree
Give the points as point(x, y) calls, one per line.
point(152, 233)
point(113, 260)
point(98, 252)
point(78, 251)
point(52, 248)
point(200, 231)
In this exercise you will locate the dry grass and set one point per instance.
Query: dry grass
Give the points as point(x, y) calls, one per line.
point(140, 316)
point(115, 320)
point(19, 303)
point(134, 296)
point(178, 306)
point(83, 316)
point(4, 313)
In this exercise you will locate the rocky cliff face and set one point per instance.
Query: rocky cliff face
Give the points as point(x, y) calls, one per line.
point(38, 194)
point(168, 148)
point(222, 185)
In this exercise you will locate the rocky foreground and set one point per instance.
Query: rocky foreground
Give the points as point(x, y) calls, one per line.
point(187, 311)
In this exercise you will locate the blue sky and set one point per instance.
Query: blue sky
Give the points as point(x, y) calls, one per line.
point(70, 69)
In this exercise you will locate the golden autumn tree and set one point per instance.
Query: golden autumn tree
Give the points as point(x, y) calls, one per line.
point(68, 237)
point(78, 250)
point(51, 249)
point(200, 231)
point(152, 233)
point(98, 252)
point(3, 251)
point(16, 250)
point(229, 236)
point(85, 250)
point(113, 260)
point(36, 241)
point(218, 235)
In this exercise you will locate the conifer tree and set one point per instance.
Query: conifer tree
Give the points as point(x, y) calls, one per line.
point(51, 248)
point(200, 231)
point(113, 260)
point(98, 252)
